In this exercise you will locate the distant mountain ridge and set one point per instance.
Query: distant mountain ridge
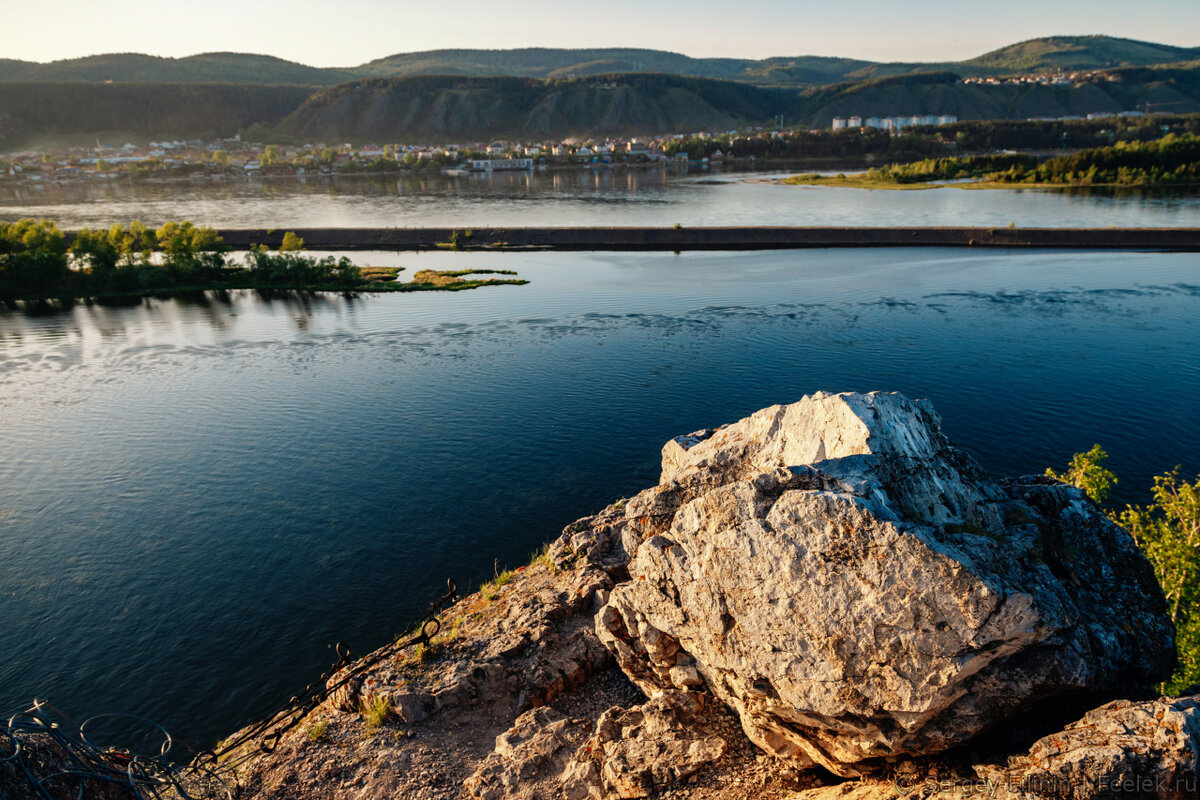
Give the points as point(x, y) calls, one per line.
point(441, 108)
point(1043, 54)
point(468, 108)
point(1081, 53)
point(245, 68)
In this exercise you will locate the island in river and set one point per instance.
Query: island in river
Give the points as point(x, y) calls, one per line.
point(1170, 161)
point(39, 262)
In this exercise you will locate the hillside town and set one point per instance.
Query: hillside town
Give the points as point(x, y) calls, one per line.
point(853, 137)
point(234, 157)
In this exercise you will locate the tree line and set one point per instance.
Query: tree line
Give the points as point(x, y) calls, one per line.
point(1171, 160)
point(37, 260)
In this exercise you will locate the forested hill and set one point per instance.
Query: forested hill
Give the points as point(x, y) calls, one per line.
point(33, 113)
point(441, 108)
point(1045, 55)
point(1081, 53)
point(1171, 89)
point(549, 63)
point(473, 109)
point(462, 109)
point(1071, 53)
point(203, 68)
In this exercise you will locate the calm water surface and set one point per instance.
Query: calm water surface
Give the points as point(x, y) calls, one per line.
point(198, 495)
point(583, 197)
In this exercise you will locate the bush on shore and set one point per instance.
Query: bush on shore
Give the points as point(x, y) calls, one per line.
point(1168, 532)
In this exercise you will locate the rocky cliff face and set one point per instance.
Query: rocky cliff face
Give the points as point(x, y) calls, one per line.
point(827, 584)
point(455, 109)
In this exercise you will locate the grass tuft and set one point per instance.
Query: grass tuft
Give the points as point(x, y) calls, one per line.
point(491, 589)
point(541, 556)
point(376, 713)
point(318, 731)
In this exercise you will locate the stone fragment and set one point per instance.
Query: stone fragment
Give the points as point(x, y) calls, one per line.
point(1123, 749)
point(637, 752)
point(536, 746)
point(412, 707)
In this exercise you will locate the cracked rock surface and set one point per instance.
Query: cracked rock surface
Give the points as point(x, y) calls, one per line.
point(856, 589)
point(637, 752)
point(1149, 749)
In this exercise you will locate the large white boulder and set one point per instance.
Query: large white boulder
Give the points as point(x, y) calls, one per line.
point(856, 589)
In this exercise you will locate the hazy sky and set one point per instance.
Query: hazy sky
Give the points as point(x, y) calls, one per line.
point(350, 32)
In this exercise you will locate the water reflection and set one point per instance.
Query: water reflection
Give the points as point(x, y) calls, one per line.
point(592, 196)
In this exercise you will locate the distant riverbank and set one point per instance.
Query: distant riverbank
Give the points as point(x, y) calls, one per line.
point(870, 180)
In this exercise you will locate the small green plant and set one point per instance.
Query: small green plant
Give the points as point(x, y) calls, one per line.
point(457, 238)
point(317, 731)
point(449, 633)
point(491, 589)
point(376, 712)
point(678, 227)
point(541, 556)
point(291, 243)
point(1086, 473)
point(1168, 531)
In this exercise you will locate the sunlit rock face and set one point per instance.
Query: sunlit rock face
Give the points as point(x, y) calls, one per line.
point(855, 588)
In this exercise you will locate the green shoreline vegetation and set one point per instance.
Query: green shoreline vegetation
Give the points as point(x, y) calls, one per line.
point(1173, 160)
point(1168, 533)
point(40, 262)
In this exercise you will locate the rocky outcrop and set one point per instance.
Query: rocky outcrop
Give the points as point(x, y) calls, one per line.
point(856, 589)
point(827, 583)
point(1149, 749)
point(523, 648)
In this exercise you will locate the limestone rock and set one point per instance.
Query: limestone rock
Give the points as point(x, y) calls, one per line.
point(639, 751)
point(857, 589)
point(1123, 749)
point(536, 746)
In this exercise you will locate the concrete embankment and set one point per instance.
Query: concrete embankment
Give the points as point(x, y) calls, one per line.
point(718, 238)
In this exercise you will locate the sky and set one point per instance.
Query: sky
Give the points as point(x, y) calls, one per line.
point(350, 32)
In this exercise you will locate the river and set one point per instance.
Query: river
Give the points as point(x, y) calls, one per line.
point(199, 495)
point(638, 197)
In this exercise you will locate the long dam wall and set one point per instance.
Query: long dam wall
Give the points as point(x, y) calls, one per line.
point(717, 238)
